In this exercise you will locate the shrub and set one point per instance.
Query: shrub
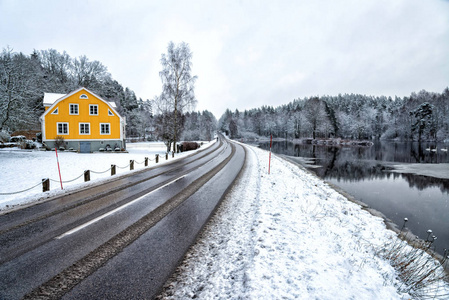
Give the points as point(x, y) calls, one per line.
point(187, 146)
point(417, 266)
point(59, 142)
point(4, 137)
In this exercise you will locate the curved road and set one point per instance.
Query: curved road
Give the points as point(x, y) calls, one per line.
point(118, 240)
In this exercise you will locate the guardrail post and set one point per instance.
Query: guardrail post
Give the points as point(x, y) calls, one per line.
point(146, 161)
point(86, 175)
point(131, 164)
point(166, 156)
point(157, 158)
point(112, 170)
point(45, 185)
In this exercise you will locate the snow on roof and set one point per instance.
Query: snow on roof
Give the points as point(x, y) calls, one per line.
point(50, 98)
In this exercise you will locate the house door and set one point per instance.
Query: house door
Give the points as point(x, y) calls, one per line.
point(85, 147)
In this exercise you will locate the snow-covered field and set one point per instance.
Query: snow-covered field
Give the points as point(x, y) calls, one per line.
point(25, 169)
point(287, 235)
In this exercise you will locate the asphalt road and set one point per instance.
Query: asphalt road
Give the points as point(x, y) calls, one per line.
point(119, 240)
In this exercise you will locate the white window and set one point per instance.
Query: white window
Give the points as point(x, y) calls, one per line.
point(55, 112)
point(105, 128)
point(63, 128)
point(110, 112)
point(84, 128)
point(93, 109)
point(74, 109)
point(84, 96)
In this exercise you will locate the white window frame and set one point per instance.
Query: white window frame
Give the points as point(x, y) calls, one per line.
point(108, 126)
point(84, 125)
point(62, 123)
point(77, 108)
point(110, 113)
point(83, 96)
point(56, 111)
point(90, 109)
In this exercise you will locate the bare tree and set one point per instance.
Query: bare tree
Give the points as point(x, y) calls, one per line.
point(87, 73)
point(56, 65)
point(177, 85)
point(315, 113)
point(17, 91)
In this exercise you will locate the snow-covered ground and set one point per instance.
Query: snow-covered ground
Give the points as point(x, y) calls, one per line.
point(24, 169)
point(288, 235)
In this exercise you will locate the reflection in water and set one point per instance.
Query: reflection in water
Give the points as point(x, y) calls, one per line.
point(357, 163)
point(363, 172)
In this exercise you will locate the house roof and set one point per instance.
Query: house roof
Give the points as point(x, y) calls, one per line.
point(50, 98)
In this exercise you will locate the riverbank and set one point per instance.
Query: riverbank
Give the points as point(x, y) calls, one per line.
point(317, 141)
point(289, 235)
point(367, 174)
point(411, 238)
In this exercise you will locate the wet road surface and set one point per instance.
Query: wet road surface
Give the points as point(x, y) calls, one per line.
point(118, 240)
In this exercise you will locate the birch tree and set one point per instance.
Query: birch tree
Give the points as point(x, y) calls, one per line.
point(178, 86)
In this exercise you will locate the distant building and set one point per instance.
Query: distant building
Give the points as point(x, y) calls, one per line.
point(85, 121)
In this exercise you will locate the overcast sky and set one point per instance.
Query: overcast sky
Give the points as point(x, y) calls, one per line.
point(248, 53)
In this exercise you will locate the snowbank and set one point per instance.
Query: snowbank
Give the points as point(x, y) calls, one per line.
point(286, 235)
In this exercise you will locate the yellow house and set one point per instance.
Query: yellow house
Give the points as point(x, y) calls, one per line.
point(85, 121)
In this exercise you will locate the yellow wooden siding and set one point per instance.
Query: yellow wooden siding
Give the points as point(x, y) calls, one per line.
point(83, 116)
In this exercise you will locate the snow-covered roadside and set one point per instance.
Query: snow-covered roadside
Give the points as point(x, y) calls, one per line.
point(286, 235)
point(23, 169)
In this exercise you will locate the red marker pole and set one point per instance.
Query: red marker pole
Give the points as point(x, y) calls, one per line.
point(59, 170)
point(269, 159)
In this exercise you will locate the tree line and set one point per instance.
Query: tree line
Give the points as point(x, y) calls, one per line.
point(422, 116)
point(25, 78)
point(170, 116)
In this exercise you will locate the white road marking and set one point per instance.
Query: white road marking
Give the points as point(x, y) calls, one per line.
point(115, 210)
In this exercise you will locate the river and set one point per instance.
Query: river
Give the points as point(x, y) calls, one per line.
point(385, 176)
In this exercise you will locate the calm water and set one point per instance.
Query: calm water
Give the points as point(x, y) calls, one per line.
point(363, 173)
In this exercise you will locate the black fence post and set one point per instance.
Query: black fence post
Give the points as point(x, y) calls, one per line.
point(166, 156)
point(146, 161)
point(157, 158)
point(131, 164)
point(86, 175)
point(173, 154)
point(112, 170)
point(45, 185)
